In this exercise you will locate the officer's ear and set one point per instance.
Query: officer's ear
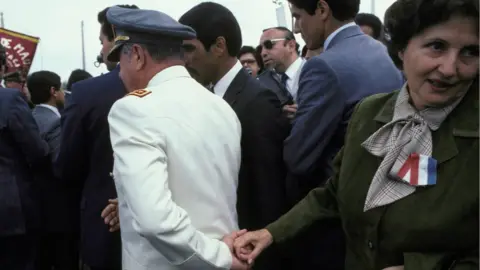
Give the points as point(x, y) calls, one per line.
point(139, 56)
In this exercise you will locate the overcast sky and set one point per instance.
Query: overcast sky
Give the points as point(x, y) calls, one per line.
point(57, 23)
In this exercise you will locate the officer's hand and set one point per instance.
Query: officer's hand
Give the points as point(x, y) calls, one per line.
point(110, 215)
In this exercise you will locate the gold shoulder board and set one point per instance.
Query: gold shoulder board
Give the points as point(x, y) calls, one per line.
point(139, 93)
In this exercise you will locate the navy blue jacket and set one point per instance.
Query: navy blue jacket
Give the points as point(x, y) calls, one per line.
point(86, 160)
point(59, 210)
point(22, 154)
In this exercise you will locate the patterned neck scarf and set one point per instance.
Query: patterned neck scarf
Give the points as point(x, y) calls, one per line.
point(408, 134)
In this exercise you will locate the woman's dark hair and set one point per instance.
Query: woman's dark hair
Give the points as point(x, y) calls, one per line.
point(250, 49)
point(408, 18)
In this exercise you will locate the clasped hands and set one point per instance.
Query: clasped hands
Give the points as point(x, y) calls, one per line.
point(246, 246)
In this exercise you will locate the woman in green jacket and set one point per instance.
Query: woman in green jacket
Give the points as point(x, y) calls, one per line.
point(406, 182)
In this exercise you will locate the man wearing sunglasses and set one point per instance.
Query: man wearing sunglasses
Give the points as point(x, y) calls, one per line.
point(280, 54)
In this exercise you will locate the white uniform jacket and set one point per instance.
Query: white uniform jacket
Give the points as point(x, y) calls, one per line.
point(177, 157)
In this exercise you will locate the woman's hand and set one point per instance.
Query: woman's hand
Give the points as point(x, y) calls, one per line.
point(251, 244)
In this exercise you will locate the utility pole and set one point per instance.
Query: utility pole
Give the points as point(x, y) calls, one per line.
point(83, 47)
point(2, 23)
point(373, 7)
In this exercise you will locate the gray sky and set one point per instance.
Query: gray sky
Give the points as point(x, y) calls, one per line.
point(57, 23)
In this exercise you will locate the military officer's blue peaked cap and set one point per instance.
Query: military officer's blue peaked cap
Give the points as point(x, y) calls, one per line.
point(144, 27)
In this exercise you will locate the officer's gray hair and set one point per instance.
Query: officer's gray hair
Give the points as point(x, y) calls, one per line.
point(157, 52)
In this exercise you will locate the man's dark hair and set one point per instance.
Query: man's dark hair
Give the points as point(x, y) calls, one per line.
point(342, 10)
point(210, 21)
point(250, 49)
point(304, 51)
point(15, 76)
point(76, 76)
point(288, 35)
point(372, 21)
point(39, 84)
point(407, 18)
point(106, 26)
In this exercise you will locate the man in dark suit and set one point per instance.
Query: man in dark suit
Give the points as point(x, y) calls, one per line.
point(59, 231)
point(211, 59)
point(22, 154)
point(352, 67)
point(86, 157)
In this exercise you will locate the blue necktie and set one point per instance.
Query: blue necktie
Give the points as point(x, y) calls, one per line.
point(284, 79)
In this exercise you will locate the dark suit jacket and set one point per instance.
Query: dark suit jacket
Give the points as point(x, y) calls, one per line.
point(352, 67)
point(261, 190)
point(272, 80)
point(59, 210)
point(86, 160)
point(22, 153)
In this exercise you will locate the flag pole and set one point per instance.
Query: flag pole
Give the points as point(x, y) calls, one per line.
point(83, 47)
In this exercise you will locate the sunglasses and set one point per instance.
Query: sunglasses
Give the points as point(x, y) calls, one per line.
point(268, 44)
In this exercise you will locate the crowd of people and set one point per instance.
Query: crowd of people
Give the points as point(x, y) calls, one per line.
point(358, 151)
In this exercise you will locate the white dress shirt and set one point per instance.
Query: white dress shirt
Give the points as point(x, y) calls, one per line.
point(176, 163)
point(221, 87)
point(50, 107)
point(293, 73)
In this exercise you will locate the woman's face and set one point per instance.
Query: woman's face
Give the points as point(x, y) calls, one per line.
point(441, 62)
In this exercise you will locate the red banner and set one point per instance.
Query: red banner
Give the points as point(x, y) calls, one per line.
point(20, 49)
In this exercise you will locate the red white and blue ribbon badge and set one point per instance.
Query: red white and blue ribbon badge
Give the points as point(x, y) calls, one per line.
point(419, 170)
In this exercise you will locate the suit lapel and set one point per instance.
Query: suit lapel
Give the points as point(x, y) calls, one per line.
point(236, 87)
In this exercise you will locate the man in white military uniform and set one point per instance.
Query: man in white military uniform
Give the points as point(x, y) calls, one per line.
point(177, 152)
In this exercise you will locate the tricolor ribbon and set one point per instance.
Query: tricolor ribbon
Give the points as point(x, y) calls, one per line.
point(419, 170)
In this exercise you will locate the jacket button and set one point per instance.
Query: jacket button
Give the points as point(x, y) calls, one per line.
point(370, 245)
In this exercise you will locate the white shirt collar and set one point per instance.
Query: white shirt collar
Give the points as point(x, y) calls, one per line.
point(332, 35)
point(222, 85)
point(50, 107)
point(292, 70)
